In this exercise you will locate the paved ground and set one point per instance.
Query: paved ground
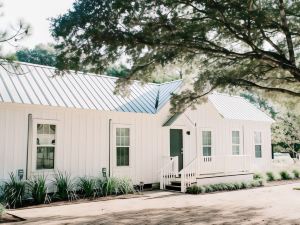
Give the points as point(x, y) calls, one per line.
point(267, 205)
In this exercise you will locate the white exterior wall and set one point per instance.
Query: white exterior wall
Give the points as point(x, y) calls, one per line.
point(82, 141)
point(206, 117)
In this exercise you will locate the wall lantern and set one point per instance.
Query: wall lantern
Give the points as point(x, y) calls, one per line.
point(20, 173)
point(104, 172)
point(188, 132)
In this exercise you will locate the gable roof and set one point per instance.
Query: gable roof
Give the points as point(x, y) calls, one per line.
point(36, 84)
point(237, 108)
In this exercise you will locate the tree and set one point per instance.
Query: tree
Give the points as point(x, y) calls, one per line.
point(40, 54)
point(11, 37)
point(229, 43)
point(285, 130)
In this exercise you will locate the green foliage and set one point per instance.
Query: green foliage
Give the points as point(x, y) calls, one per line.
point(115, 186)
point(284, 175)
point(88, 187)
point(221, 43)
point(270, 176)
point(41, 54)
point(38, 189)
point(65, 187)
point(296, 174)
point(194, 189)
point(2, 210)
point(13, 191)
point(258, 176)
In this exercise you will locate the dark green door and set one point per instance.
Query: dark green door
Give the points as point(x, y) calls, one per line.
point(176, 146)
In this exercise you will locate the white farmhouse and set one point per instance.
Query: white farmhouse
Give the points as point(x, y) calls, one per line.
point(75, 123)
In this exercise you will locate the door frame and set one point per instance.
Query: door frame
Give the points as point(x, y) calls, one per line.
point(183, 128)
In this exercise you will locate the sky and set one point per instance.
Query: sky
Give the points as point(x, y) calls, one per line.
point(35, 13)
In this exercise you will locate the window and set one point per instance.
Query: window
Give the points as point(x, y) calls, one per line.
point(45, 142)
point(235, 142)
point(206, 143)
point(122, 146)
point(257, 144)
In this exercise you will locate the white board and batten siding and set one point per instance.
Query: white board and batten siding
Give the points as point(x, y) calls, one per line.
point(82, 141)
point(82, 106)
point(207, 118)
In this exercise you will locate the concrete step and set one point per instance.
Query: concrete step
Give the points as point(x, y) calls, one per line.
point(173, 187)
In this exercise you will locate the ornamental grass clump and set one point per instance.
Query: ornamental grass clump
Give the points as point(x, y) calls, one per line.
point(108, 186)
point(125, 186)
point(88, 187)
point(194, 189)
point(2, 211)
point(13, 191)
point(284, 175)
point(296, 174)
point(258, 176)
point(270, 176)
point(65, 187)
point(37, 188)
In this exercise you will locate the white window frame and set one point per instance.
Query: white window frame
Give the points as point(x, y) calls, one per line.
point(35, 122)
point(211, 143)
point(258, 144)
point(234, 144)
point(114, 141)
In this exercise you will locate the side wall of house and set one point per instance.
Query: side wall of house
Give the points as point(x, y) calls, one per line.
point(206, 117)
point(82, 141)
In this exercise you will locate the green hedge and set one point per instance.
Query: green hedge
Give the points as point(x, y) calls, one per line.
point(194, 189)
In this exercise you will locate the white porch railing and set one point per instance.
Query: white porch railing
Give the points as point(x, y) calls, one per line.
point(169, 172)
point(202, 165)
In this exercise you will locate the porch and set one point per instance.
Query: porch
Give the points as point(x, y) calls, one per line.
point(203, 168)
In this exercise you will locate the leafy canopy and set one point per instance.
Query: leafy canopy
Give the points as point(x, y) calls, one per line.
point(40, 54)
point(228, 43)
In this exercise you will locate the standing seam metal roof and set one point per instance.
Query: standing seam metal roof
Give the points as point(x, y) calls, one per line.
point(36, 84)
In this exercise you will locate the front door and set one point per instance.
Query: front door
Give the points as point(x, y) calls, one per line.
point(176, 146)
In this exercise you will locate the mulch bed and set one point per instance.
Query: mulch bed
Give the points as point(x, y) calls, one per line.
point(9, 218)
point(79, 201)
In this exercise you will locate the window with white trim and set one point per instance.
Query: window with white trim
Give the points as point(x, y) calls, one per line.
point(45, 146)
point(235, 134)
point(122, 146)
point(258, 144)
point(206, 143)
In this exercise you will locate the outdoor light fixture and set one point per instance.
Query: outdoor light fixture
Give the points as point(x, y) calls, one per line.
point(188, 132)
point(20, 173)
point(104, 172)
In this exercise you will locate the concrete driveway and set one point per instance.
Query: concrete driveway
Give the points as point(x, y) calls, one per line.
point(267, 205)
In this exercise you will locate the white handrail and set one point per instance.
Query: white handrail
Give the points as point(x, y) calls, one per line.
point(213, 164)
point(169, 172)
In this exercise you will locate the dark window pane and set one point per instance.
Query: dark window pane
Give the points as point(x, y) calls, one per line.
point(206, 151)
point(45, 158)
point(122, 156)
point(258, 151)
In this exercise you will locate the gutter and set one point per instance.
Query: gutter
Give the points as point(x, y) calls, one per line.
point(109, 147)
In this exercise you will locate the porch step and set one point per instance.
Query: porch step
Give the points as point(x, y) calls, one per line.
point(174, 186)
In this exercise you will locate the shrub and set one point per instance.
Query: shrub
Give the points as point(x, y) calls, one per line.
point(38, 189)
point(2, 210)
point(257, 176)
point(296, 174)
point(194, 189)
point(65, 188)
point(270, 176)
point(285, 175)
point(108, 186)
point(125, 186)
point(13, 191)
point(88, 187)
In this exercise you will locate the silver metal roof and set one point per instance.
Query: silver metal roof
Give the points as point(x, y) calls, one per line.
point(36, 84)
point(237, 108)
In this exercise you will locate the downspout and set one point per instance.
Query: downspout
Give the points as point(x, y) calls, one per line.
point(109, 147)
point(28, 143)
point(196, 134)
